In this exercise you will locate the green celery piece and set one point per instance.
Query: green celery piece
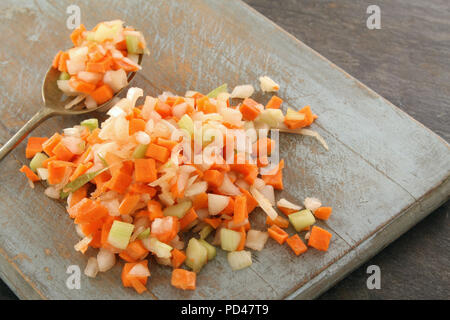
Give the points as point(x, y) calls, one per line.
point(133, 44)
point(79, 182)
point(214, 93)
point(229, 239)
point(140, 151)
point(37, 160)
point(196, 255)
point(178, 210)
point(144, 234)
point(64, 76)
point(210, 249)
point(204, 233)
point(120, 234)
point(187, 124)
point(91, 124)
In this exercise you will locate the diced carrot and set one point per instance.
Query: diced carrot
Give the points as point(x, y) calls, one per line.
point(46, 161)
point(163, 109)
point(183, 279)
point(105, 232)
point(100, 66)
point(81, 86)
point(102, 94)
point(126, 257)
point(319, 238)
point(287, 211)
point(200, 102)
point(263, 147)
point(178, 257)
point(213, 222)
point(279, 221)
point(188, 218)
point(249, 110)
point(93, 137)
point(51, 143)
point(80, 170)
point(77, 35)
point(251, 201)
point(120, 64)
point(167, 235)
point(229, 209)
point(323, 213)
point(251, 175)
point(128, 203)
point(274, 103)
point(62, 66)
point(121, 45)
point(55, 62)
point(169, 144)
point(275, 180)
point(140, 187)
point(29, 174)
point(56, 171)
point(200, 201)
point(145, 170)
point(34, 146)
point(296, 244)
point(308, 115)
point(209, 107)
point(278, 234)
point(213, 177)
point(126, 278)
point(119, 182)
point(78, 195)
point(136, 125)
point(136, 250)
point(241, 244)
point(240, 209)
point(90, 212)
point(157, 152)
point(62, 152)
point(137, 285)
point(155, 210)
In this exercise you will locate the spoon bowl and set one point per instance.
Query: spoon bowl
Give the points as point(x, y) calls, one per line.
point(55, 102)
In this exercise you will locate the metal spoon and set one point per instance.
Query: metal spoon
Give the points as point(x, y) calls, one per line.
point(54, 104)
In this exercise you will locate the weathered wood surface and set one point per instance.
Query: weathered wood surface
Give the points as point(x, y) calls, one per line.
point(407, 63)
point(376, 175)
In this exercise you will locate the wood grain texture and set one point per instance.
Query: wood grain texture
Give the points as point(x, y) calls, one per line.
point(376, 175)
point(395, 63)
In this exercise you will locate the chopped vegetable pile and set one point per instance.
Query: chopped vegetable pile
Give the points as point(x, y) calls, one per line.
point(170, 179)
point(99, 63)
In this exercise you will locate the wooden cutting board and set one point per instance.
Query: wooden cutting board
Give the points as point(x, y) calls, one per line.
point(384, 171)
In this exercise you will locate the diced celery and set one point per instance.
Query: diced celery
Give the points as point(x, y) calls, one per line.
point(211, 250)
point(64, 76)
point(204, 233)
point(90, 36)
point(144, 234)
point(214, 93)
point(294, 115)
point(302, 219)
point(120, 234)
point(91, 124)
point(133, 44)
point(187, 124)
point(37, 160)
point(178, 210)
point(229, 239)
point(140, 151)
point(273, 117)
point(79, 182)
point(160, 249)
point(196, 255)
point(239, 259)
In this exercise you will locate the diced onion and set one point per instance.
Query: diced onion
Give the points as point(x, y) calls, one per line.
point(82, 245)
point(196, 188)
point(142, 137)
point(268, 192)
point(243, 91)
point(105, 259)
point(91, 269)
point(283, 203)
point(52, 192)
point(312, 204)
point(216, 203)
point(264, 203)
point(268, 85)
point(256, 240)
point(239, 259)
point(228, 187)
point(139, 271)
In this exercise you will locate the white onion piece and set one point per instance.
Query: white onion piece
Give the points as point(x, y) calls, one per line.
point(216, 203)
point(74, 67)
point(256, 240)
point(90, 77)
point(74, 144)
point(149, 106)
point(268, 192)
point(259, 183)
point(177, 243)
point(283, 203)
point(90, 102)
point(264, 203)
point(105, 259)
point(82, 245)
point(79, 231)
point(312, 204)
point(112, 206)
point(42, 173)
point(52, 192)
point(239, 259)
point(142, 137)
point(268, 85)
point(241, 183)
point(196, 188)
point(91, 269)
point(202, 213)
point(139, 271)
point(179, 110)
point(65, 87)
point(116, 80)
point(116, 111)
point(163, 261)
point(243, 91)
point(228, 187)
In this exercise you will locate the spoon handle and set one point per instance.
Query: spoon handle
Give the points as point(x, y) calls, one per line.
point(36, 120)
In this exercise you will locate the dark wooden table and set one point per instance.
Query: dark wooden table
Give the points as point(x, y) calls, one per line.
point(407, 62)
